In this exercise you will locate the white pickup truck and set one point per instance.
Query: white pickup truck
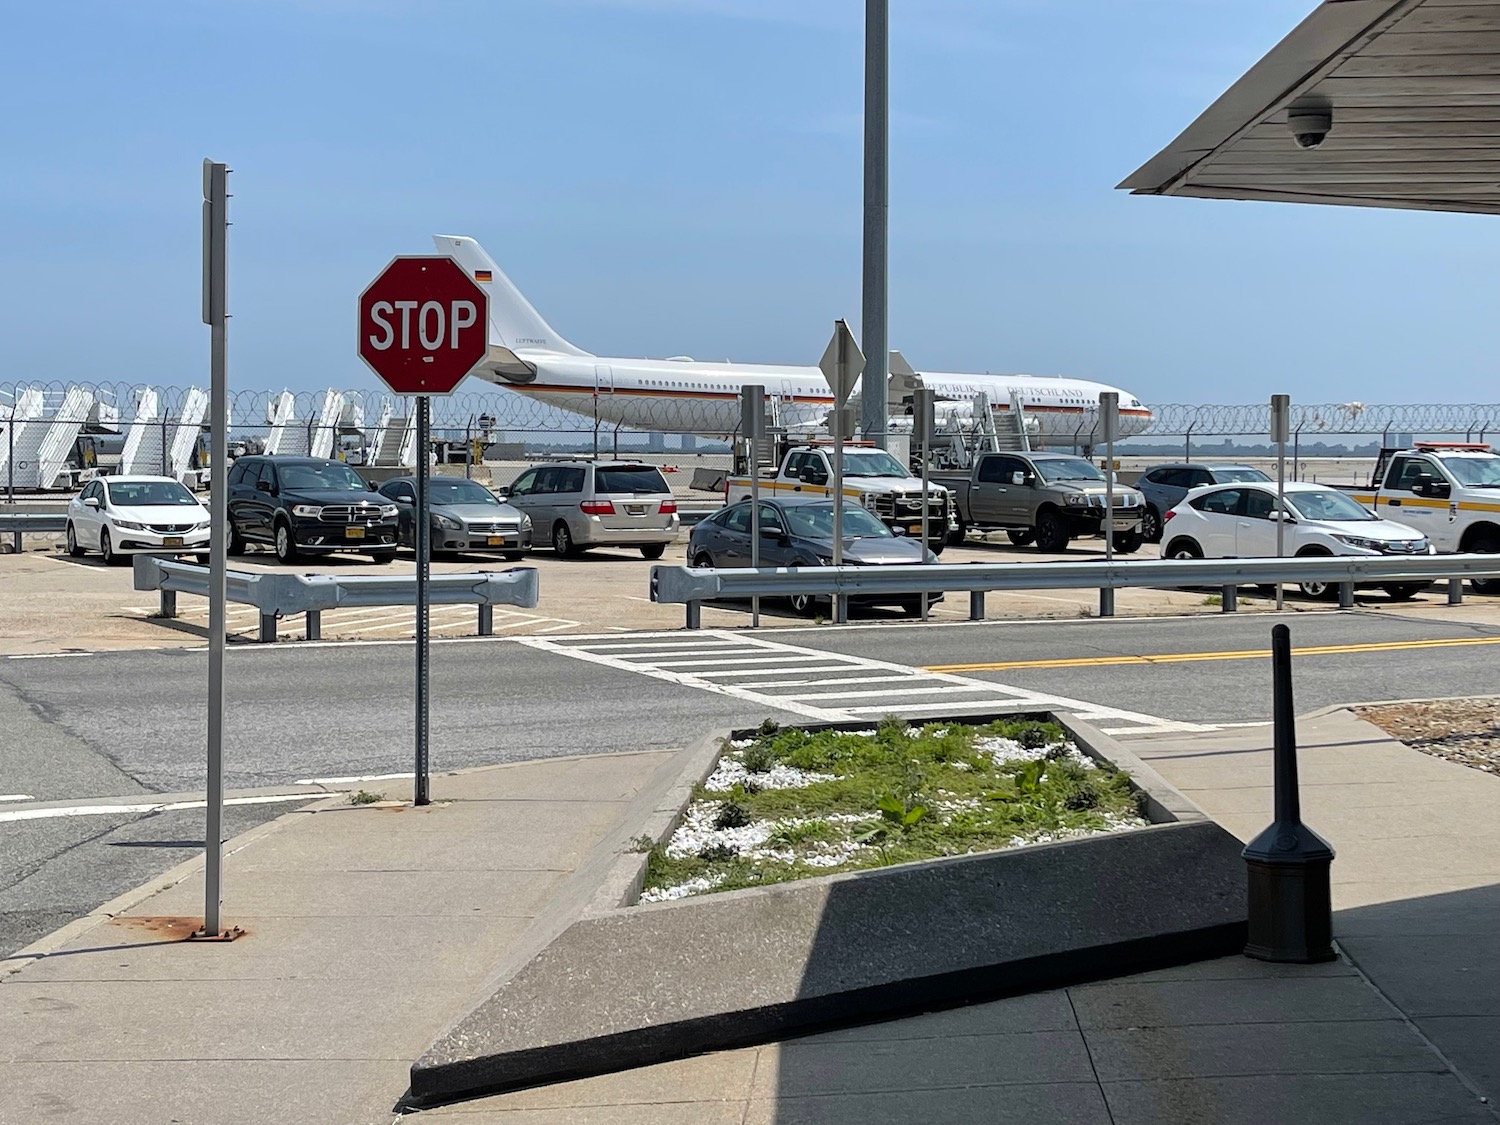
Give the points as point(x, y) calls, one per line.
point(873, 478)
point(1450, 492)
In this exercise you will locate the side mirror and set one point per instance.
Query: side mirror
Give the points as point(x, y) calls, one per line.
point(1440, 489)
point(263, 486)
point(1018, 478)
point(898, 532)
point(502, 493)
point(1283, 517)
point(91, 502)
point(404, 499)
point(771, 533)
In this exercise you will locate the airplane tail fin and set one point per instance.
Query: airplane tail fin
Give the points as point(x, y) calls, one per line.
point(514, 323)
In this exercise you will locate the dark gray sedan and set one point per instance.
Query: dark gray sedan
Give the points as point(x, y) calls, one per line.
point(463, 515)
point(800, 533)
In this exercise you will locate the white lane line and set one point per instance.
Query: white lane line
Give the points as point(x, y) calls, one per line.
point(759, 658)
point(345, 780)
point(946, 689)
point(808, 682)
point(17, 797)
point(778, 669)
point(681, 646)
point(119, 810)
point(48, 655)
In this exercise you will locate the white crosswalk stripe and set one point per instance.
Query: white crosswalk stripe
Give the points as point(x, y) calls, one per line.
point(813, 683)
point(382, 621)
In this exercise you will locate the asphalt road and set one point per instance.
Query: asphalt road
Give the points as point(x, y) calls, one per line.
point(130, 724)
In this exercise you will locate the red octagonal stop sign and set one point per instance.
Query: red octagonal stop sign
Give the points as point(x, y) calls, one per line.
point(423, 324)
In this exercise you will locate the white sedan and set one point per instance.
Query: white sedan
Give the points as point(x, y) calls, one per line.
point(1239, 521)
point(118, 516)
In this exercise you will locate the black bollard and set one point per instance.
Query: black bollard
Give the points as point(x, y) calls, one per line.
point(1291, 907)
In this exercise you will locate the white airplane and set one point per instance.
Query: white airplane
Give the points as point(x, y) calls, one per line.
point(683, 395)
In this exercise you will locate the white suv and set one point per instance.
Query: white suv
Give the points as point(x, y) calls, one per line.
point(583, 504)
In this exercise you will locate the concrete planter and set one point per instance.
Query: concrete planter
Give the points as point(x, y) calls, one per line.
point(628, 985)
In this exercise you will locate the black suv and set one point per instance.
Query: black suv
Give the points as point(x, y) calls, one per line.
point(309, 504)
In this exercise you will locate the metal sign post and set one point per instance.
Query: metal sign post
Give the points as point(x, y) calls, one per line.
point(923, 417)
point(423, 539)
point(1281, 427)
point(215, 315)
point(873, 298)
point(1109, 417)
point(841, 365)
point(752, 425)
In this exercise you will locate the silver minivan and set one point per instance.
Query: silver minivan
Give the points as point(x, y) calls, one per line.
point(583, 504)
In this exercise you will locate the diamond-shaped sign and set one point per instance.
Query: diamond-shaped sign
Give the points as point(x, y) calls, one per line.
point(842, 362)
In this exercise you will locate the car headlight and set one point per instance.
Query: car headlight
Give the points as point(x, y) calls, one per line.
point(391, 510)
point(1378, 545)
point(447, 521)
point(525, 522)
point(1075, 500)
point(310, 511)
point(130, 525)
point(204, 526)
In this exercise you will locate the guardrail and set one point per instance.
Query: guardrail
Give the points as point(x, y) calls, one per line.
point(31, 523)
point(276, 595)
point(693, 587)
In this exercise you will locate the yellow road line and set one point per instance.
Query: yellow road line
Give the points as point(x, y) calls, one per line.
point(1188, 657)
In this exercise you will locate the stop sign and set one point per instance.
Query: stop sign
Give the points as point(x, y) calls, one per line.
point(423, 324)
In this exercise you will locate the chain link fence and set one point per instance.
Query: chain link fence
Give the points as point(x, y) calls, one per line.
point(52, 435)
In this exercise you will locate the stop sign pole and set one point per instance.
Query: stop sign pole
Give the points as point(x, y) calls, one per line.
point(423, 325)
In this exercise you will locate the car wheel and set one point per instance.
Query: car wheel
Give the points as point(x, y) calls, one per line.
point(703, 560)
point(1151, 525)
point(202, 560)
point(1403, 591)
point(107, 549)
point(653, 550)
point(380, 558)
point(958, 534)
point(1486, 545)
point(937, 548)
point(1318, 591)
point(1182, 549)
point(73, 548)
point(1020, 536)
point(286, 546)
point(562, 541)
point(514, 556)
point(805, 605)
point(236, 544)
point(1051, 532)
point(1128, 542)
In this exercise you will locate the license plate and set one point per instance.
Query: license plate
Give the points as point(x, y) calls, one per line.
point(1124, 525)
point(171, 541)
point(354, 533)
point(914, 529)
point(496, 541)
point(635, 509)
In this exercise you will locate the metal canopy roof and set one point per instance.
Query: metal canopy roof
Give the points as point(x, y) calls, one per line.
point(1413, 87)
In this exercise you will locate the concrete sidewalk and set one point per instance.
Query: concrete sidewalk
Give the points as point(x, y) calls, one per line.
point(368, 930)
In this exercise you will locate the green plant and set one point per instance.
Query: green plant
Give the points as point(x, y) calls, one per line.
point(758, 757)
point(1214, 599)
point(731, 814)
point(718, 853)
point(363, 798)
point(642, 843)
point(819, 619)
point(1033, 735)
point(767, 727)
point(789, 835)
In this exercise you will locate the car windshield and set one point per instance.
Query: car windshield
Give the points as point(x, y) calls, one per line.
point(872, 463)
point(634, 479)
point(1068, 468)
point(1325, 504)
point(333, 476)
point(1474, 472)
point(815, 521)
point(149, 493)
point(459, 492)
point(1230, 476)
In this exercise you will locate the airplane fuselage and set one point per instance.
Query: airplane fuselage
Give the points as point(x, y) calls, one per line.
point(692, 396)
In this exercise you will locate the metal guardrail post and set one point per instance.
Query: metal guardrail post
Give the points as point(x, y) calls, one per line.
point(267, 628)
point(976, 605)
point(486, 621)
point(15, 541)
point(1106, 601)
point(1455, 591)
point(694, 615)
point(168, 603)
point(1346, 595)
point(1229, 600)
point(314, 619)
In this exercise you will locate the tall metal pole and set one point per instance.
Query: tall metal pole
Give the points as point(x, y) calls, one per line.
point(839, 604)
point(215, 315)
point(424, 560)
point(873, 410)
point(922, 418)
point(752, 422)
point(1280, 425)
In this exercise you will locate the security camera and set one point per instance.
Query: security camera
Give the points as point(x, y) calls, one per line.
point(1309, 126)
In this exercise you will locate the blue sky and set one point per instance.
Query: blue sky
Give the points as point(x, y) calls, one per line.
point(684, 176)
